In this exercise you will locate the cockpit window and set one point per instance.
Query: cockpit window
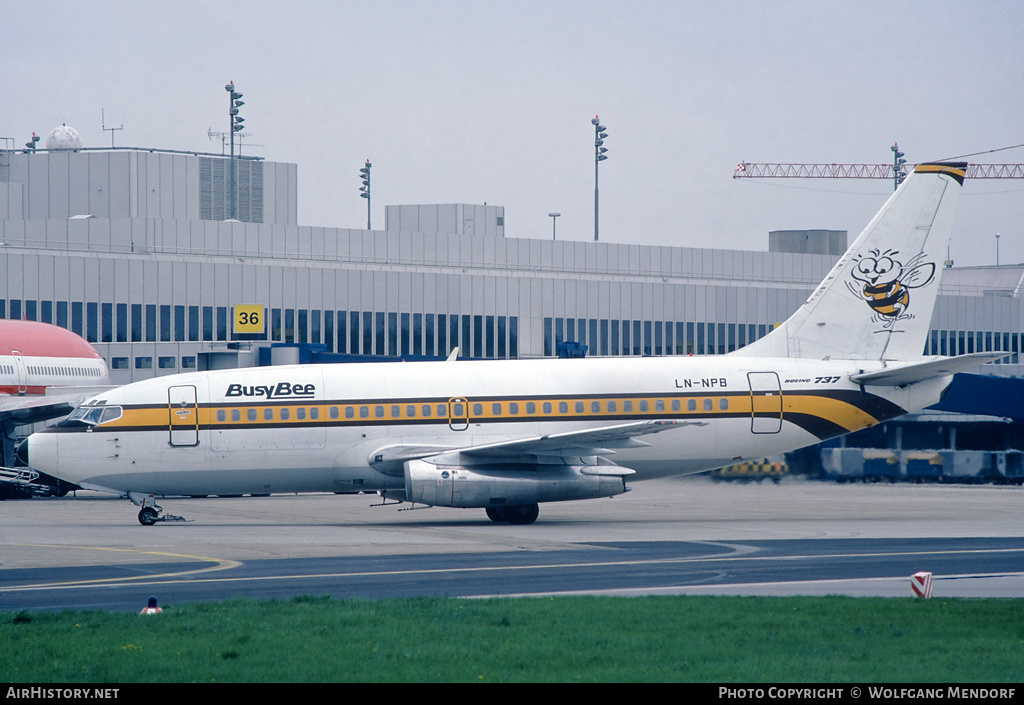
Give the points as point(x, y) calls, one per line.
point(94, 415)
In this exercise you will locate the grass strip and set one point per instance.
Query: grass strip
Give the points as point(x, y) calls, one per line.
point(566, 639)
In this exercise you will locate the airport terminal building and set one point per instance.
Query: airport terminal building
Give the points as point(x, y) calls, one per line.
point(133, 249)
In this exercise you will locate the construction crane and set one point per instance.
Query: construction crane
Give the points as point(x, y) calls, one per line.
point(897, 171)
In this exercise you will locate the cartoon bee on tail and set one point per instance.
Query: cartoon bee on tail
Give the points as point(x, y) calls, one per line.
point(885, 283)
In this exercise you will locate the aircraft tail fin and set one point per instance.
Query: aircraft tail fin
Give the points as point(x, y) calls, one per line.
point(876, 303)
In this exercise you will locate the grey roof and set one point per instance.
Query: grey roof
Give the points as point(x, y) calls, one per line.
point(1004, 279)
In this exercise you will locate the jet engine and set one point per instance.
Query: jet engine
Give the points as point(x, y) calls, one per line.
point(509, 484)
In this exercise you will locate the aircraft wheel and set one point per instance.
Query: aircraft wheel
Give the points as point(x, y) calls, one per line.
point(147, 516)
point(522, 514)
point(496, 514)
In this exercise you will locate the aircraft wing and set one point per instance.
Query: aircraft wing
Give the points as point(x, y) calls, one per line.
point(58, 401)
point(598, 441)
point(921, 371)
point(531, 449)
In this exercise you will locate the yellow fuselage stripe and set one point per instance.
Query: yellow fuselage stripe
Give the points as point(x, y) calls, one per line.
point(836, 411)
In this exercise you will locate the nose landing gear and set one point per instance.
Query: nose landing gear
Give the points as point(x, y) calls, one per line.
point(151, 512)
point(149, 516)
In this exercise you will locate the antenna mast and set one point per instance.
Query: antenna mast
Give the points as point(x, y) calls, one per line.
point(111, 130)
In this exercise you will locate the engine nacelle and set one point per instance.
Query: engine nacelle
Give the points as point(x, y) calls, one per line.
point(507, 485)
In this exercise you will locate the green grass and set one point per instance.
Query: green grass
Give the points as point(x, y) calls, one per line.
point(711, 639)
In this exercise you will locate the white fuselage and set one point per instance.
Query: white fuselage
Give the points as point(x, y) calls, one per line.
point(27, 375)
point(319, 427)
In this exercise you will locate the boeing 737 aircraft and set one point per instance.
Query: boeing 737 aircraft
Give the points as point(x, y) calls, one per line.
point(45, 372)
point(507, 435)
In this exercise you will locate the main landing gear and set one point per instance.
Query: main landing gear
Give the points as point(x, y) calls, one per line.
point(151, 512)
point(519, 514)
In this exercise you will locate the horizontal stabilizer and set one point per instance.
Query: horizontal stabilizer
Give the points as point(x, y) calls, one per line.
point(921, 371)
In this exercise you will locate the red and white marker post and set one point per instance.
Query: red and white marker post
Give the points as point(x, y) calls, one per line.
point(921, 583)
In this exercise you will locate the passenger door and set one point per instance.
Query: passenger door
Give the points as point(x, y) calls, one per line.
point(183, 415)
point(765, 402)
point(20, 372)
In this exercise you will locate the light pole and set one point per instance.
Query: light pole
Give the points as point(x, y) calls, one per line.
point(599, 156)
point(364, 190)
point(897, 166)
point(234, 103)
point(553, 216)
point(997, 249)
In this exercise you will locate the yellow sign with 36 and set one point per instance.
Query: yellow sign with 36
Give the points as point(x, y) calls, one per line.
point(249, 319)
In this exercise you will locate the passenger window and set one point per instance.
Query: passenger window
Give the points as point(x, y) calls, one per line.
point(496, 409)
point(250, 414)
point(708, 406)
point(643, 405)
point(222, 415)
point(350, 412)
point(723, 404)
point(285, 414)
point(659, 405)
point(410, 411)
point(627, 405)
point(478, 410)
point(426, 410)
point(612, 406)
point(579, 407)
point(379, 411)
point(691, 404)
point(268, 414)
point(513, 408)
point(314, 413)
point(396, 411)
point(547, 407)
point(563, 407)
point(300, 413)
point(675, 405)
point(531, 408)
point(334, 412)
point(364, 412)
point(595, 407)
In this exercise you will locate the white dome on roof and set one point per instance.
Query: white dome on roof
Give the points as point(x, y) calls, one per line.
point(63, 137)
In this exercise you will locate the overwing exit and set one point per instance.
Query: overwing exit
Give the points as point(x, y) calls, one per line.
point(508, 435)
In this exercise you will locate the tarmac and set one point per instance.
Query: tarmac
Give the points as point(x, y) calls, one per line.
point(92, 529)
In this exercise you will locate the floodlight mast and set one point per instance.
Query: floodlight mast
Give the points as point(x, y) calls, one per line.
point(234, 103)
point(599, 156)
point(899, 171)
point(364, 190)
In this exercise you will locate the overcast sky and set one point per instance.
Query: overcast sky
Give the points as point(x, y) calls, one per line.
point(483, 101)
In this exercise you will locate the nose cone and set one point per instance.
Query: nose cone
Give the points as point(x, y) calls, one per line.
point(39, 452)
point(22, 452)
